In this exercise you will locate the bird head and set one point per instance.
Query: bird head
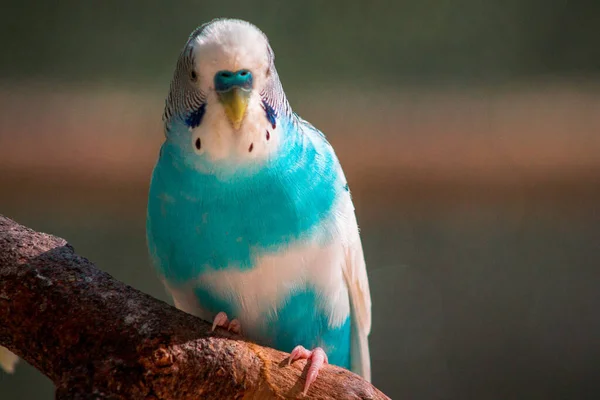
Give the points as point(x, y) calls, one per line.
point(226, 99)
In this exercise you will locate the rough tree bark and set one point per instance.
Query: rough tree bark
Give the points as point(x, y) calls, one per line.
point(96, 337)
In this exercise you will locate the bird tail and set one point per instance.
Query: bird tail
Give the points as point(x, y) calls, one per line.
point(361, 360)
point(7, 360)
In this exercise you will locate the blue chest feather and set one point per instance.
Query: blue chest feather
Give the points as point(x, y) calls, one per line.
point(198, 220)
point(302, 321)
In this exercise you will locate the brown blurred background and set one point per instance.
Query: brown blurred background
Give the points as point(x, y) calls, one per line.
point(469, 133)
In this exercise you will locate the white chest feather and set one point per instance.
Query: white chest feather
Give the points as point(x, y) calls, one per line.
point(257, 293)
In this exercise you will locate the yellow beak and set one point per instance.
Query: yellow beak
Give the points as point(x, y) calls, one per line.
point(235, 102)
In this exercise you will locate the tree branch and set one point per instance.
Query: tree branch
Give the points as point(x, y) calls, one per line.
point(96, 337)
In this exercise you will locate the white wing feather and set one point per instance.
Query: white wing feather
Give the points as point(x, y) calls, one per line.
point(355, 274)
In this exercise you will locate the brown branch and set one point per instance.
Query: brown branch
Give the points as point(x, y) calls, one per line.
point(96, 337)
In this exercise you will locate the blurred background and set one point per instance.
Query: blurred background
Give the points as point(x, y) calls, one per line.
point(469, 132)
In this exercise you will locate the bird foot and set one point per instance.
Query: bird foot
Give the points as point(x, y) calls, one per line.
point(224, 322)
point(317, 358)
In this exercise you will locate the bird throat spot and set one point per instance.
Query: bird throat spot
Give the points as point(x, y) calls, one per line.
point(270, 113)
point(251, 148)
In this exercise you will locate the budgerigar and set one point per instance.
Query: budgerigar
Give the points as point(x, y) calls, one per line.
point(250, 221)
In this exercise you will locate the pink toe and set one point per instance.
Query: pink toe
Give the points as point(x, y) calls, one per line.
point(220, 320)
point(317, 359)
point(299, 353)
point(235, 326)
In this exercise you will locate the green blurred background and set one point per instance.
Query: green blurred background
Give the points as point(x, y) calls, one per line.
point(469, 132)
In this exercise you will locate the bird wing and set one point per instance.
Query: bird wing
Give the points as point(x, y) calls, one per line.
point(355, 275)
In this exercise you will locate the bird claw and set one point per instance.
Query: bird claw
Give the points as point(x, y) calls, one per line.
point(222, 320)
point(235, 326)
point(317, 358)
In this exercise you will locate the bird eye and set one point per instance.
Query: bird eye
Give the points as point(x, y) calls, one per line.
point(194, 75)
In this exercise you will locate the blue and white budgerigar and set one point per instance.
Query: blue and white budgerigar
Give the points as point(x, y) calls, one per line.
point(250, 221)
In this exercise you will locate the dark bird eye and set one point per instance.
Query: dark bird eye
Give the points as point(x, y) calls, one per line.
point(194, 75)
point(198, 144)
